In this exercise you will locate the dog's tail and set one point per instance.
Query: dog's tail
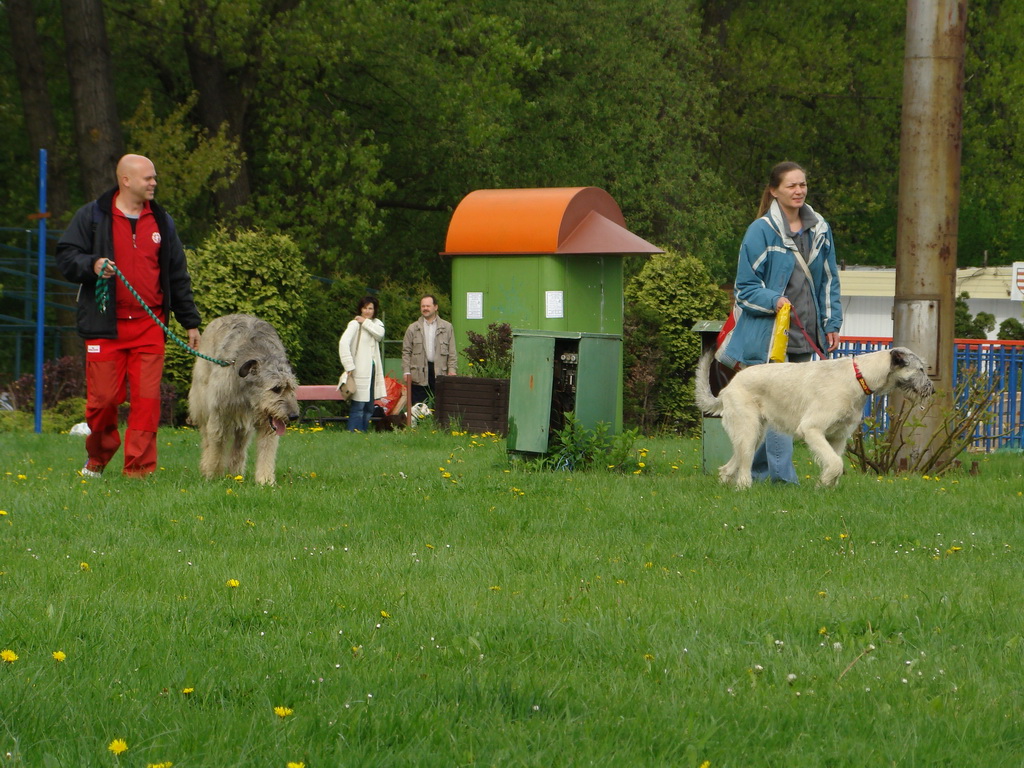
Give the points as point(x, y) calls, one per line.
point(706, 401)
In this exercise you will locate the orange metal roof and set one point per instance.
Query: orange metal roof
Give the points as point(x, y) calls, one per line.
point(548, 220)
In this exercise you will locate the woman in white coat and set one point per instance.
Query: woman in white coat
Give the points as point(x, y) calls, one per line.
point(359, 349)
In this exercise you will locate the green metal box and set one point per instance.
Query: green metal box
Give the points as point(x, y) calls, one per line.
point(553, 373)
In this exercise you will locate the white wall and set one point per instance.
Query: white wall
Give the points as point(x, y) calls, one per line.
point(872, 315)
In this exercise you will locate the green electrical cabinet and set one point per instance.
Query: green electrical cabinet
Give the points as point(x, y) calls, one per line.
point(553, 373)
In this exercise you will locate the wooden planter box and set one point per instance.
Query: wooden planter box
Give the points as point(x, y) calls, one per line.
point(479, 405)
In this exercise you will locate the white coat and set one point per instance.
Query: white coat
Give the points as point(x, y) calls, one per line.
point(358, 361)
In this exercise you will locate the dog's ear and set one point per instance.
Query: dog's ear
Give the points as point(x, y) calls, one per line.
point(898, 357)
point(247, 367)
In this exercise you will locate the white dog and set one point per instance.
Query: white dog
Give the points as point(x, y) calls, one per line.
point(820, 402)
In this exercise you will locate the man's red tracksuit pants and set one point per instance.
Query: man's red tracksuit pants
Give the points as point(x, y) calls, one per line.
point(130, 365)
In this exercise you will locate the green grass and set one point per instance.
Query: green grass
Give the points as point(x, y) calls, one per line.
point(501, 616)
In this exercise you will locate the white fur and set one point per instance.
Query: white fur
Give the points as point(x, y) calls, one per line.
point(818, 402)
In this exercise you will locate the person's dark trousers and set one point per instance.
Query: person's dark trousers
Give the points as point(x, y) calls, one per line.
point(421, 394)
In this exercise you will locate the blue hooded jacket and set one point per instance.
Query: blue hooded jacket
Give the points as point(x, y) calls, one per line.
point(766, 261)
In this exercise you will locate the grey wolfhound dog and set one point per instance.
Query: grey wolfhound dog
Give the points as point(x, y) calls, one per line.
point(255, 394)
point(820, 402)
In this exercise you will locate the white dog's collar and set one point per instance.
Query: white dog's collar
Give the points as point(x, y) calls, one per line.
point(860, 377)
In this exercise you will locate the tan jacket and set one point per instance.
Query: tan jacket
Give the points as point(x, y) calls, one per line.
point(414, 357)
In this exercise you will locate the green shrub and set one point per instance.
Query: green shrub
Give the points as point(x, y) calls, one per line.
point(663, 301)
point(248, 272)
point(490, 356)
point(61, 418)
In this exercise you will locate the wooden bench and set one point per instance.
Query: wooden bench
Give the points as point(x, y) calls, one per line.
point(311, 393)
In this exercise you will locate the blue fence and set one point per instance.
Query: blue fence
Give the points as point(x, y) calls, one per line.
point(1001, 361)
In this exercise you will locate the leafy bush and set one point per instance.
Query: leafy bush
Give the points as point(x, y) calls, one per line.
point(249, 272)
point(63, 377)
point(663, 301)
point(490, 356)
point(60, 418)
point(574, 447)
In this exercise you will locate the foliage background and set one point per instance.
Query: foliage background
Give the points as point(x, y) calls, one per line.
point(357, 127)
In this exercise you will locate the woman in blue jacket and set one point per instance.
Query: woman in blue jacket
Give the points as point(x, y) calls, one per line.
point(787, 257)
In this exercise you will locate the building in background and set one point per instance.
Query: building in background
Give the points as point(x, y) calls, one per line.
point(868, 294)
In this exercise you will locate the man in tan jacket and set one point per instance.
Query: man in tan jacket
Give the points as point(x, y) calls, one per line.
point(428, 350)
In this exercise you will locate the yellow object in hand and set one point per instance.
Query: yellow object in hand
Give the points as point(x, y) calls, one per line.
point(780, 335)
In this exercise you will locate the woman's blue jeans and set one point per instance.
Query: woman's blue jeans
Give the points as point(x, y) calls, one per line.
point(359, 416)
point(773, 459)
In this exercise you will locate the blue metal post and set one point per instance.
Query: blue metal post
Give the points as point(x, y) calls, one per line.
point(41, 292)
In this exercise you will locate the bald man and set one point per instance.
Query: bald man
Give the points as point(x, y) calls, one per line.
point(124, 347)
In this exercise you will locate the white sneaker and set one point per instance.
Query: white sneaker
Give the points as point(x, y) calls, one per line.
point(86, 472)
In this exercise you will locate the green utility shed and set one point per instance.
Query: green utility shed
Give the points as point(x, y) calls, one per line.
point(545, 259)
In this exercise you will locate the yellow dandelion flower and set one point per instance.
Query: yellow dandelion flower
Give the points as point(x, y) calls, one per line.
point(706, 764)
point(648, 657)
point(83, 566)
point(283, 712)
point(8, 656)
point(385, 615)
point(232, 583)
point(640, 464)
point(495, 588)
point(823, 631)
point(59, 656)
point(168, 764)
point(3, 512)
point(188, 691)
point(239, 478)
point(118, 746)
point(296, 765)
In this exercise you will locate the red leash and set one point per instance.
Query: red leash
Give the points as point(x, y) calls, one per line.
point(796, 317)
point(856, 368)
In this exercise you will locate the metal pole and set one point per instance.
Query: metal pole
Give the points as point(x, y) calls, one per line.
point(929, 193)
point(41, 292)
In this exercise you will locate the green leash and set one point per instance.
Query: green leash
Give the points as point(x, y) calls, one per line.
point(104, 291)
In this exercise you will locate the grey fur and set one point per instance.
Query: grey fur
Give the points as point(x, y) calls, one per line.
point(253, 395)
point(820, 402)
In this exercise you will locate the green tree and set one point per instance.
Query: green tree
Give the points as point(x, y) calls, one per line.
point(829, 100)
point(992, 187)
point(968, 326)
point(1011, 329)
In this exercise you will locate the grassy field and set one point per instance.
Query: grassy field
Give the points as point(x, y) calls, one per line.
point(415, 599)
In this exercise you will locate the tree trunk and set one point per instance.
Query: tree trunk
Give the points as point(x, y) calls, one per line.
point(35, 101)
point(222, 100)
point(97, 128)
